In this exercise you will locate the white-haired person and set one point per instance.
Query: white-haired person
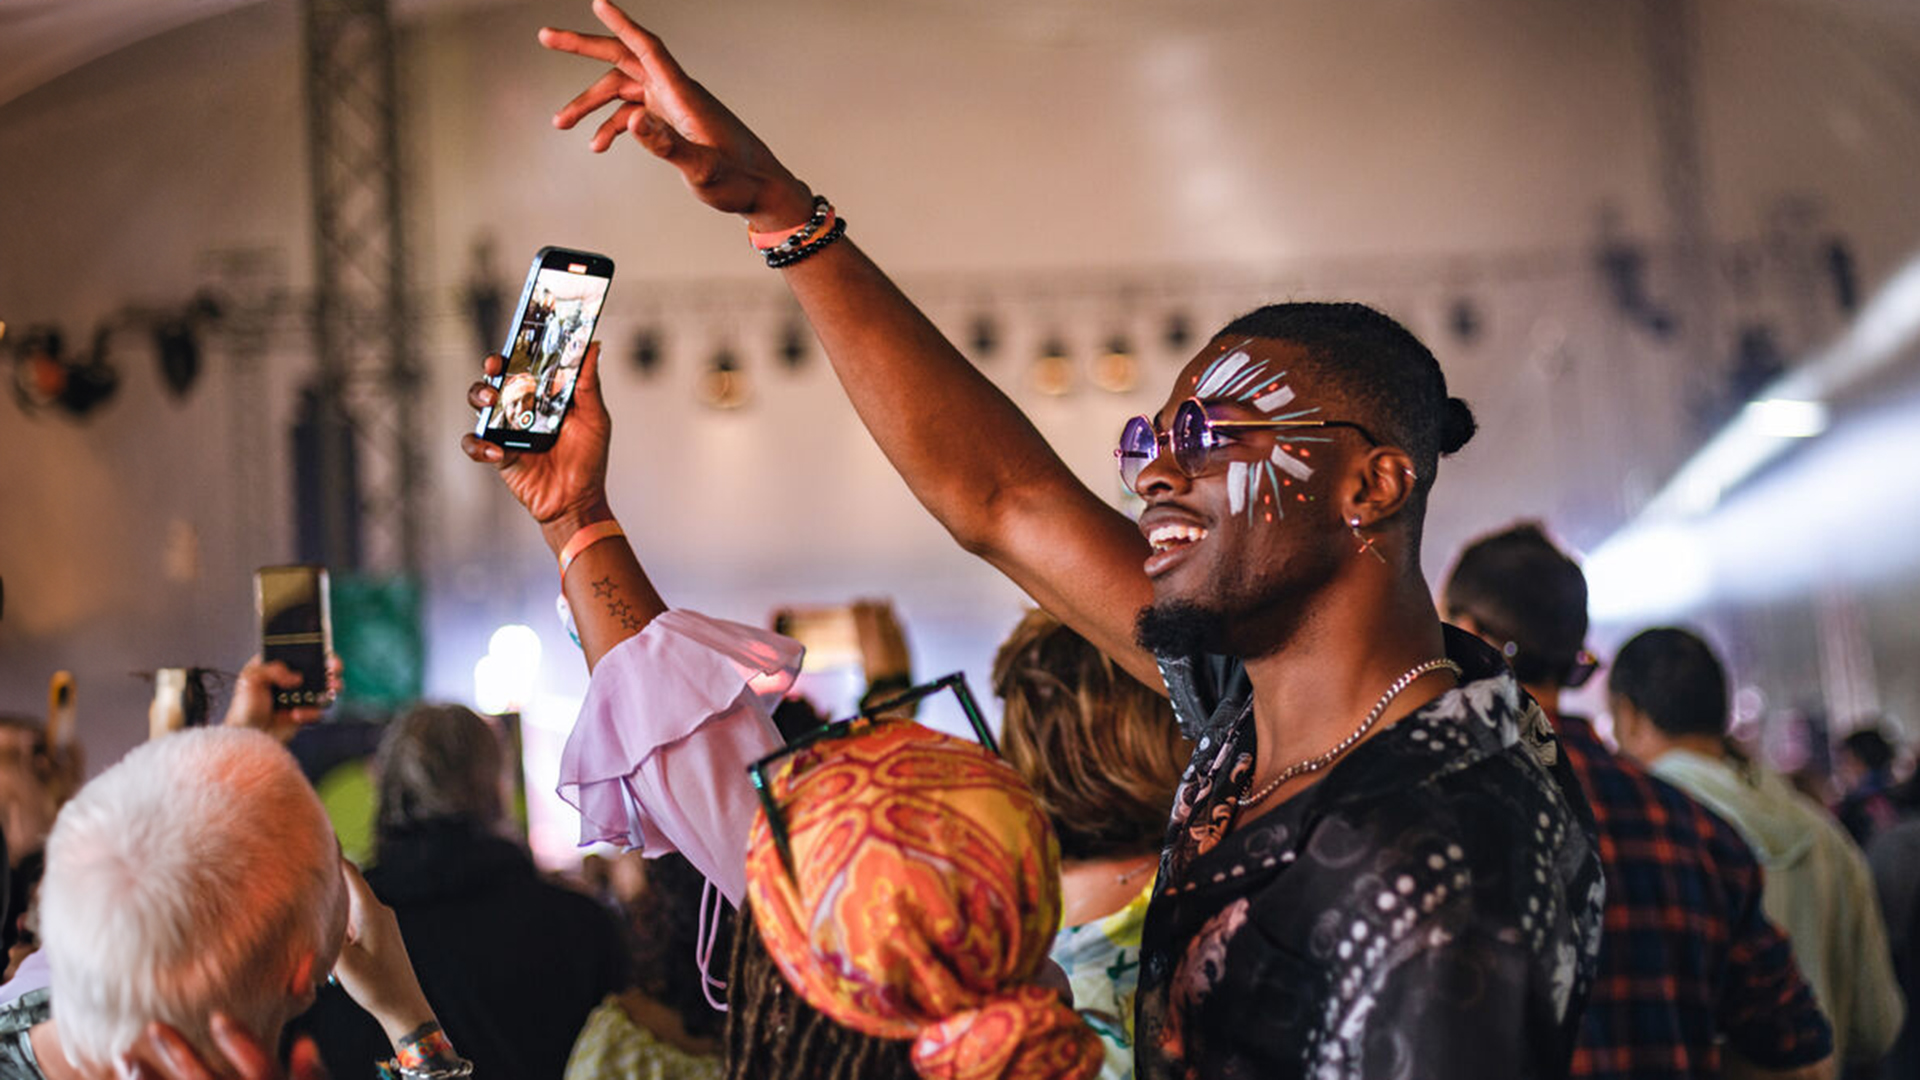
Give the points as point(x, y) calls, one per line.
point(194, 899)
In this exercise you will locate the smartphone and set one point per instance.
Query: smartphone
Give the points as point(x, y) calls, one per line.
point(296, 628)
point(549, 336)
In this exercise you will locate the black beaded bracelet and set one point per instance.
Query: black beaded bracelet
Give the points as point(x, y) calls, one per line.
point(822, 211)
point(778, 260)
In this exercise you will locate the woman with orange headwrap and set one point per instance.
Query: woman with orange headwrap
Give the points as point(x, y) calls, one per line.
point(919, 903)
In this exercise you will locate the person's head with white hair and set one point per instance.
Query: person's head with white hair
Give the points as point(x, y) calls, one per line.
point(197, 875)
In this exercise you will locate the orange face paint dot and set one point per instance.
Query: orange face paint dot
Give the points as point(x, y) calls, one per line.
point(1302, 498)
point(1269, 517)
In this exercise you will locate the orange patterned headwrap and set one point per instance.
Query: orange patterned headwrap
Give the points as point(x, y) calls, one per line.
point(927, 896)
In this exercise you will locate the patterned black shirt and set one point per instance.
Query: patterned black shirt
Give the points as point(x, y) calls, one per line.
point(1430, 908)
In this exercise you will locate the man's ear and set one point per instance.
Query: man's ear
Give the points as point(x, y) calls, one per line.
point(1386, 481)
point(1627, 724)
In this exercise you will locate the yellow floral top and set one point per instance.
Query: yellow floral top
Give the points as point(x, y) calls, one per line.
point(612, 1047)
point(1102, 961)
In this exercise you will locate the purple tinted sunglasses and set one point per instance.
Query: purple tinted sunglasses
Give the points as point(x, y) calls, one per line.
point(1193, 437)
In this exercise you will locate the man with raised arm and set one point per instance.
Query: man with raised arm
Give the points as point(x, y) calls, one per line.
point(1376, 865)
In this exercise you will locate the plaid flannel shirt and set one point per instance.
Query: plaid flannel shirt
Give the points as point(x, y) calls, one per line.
point(1686, 953)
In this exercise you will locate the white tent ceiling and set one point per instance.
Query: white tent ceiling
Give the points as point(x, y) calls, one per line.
point(40, 40)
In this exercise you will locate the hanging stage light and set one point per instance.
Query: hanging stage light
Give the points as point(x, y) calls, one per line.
point(725, 385)
point(1178, 333)
point(984, 337)
point(793, 345)
point(1116, 370)
point(179, 353)
point(1052, 372)
point(646, 352)
point(43, 375)
point(176, 339)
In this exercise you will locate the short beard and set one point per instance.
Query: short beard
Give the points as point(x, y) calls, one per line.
point(1180, 628)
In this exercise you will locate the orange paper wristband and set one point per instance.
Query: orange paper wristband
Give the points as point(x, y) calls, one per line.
point(588, 536)
point(767, 241)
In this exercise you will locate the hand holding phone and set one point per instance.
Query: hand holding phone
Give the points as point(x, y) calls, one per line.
point(563, 488)
point(296, 629)
point(552, 327)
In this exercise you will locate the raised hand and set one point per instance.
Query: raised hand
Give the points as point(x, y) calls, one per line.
point(567, 482)
point(252, 705)
point(373, 966)
point(678, 121)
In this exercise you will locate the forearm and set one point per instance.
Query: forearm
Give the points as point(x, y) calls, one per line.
point(972, 458)
point(605, 585)
point(963, 447)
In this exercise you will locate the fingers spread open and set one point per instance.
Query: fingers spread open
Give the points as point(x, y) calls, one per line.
point(614, 125)
point(643, 44)
point(615, 85)
point(591, 46)
point(658, 137)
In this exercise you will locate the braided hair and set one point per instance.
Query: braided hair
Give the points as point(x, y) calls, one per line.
point(772, 1031)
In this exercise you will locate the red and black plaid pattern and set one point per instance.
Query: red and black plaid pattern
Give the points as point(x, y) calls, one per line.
point(1685, 951)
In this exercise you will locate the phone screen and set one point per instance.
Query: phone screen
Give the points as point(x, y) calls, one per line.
point(551, 330)
point(296, 628)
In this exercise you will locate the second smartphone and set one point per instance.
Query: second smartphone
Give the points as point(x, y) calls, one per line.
point(551, 330)
point(296, 628)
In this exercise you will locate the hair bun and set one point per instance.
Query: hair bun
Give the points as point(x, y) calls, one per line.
point(1457, 425)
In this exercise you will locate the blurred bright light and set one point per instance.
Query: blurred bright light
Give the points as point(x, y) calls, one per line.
point(1648, 573)
point(516, 643)
point(503, 680)
point(491, 693)
point(1787, 418)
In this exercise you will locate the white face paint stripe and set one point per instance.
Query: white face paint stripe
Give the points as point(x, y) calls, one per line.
point(1274, 400)
point(1227, 368)
point(1291, 465)
point(1236, 486)
point(1251, 377)
point(1215, 366)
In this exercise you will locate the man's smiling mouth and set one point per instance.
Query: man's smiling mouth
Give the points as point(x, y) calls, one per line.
point(1167, 537)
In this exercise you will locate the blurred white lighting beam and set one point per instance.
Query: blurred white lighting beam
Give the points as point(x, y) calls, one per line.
point(1648, 572)
point(1795, 402)
point(1662, 562)
point(1784, 418)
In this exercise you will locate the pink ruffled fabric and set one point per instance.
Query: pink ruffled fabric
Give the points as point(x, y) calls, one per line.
point(673, 716)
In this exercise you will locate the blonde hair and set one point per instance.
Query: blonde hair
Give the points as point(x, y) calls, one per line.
point(1098, 747)
point(190, 877)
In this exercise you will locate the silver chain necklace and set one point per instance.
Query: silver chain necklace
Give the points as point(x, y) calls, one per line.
point(1315, 764)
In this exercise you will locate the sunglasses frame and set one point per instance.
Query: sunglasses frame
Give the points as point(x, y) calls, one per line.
point(1207, 425)
point(757, 771)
